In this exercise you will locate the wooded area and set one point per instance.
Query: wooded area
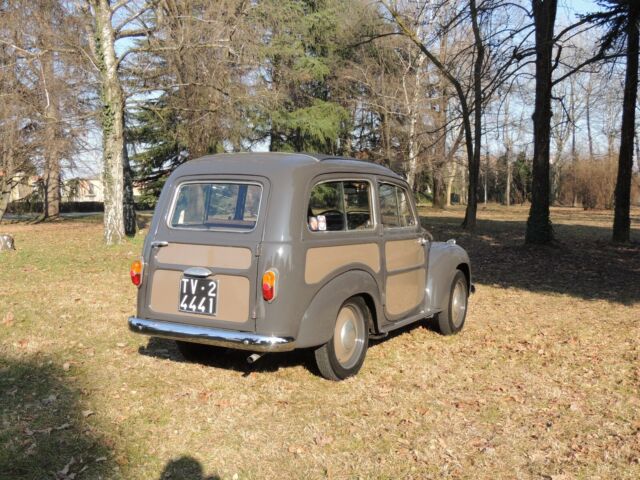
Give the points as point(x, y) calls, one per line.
point(441, 91)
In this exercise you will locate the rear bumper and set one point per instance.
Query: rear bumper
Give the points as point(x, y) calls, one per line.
point(211, 336)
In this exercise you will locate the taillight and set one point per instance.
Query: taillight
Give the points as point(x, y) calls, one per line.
point(269, 285)
point(136, 273)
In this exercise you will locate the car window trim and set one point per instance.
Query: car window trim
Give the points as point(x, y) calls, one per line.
point(411, 206)
point(209, 182)
point(372, 208)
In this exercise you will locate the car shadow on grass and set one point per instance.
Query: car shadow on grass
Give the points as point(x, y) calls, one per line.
point(44, 433)
point(185, 468)
point(229, 359)
point(236, 360)
point(581, 262)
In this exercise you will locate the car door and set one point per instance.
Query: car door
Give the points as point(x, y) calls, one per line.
point(404, 252)
point(203, 256)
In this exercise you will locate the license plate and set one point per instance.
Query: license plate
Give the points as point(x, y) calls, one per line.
point(198, 295)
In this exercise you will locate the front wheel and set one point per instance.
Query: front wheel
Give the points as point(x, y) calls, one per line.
point(343, 355)
point(452, 319)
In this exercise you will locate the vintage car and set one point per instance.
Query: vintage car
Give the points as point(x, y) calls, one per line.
point(270, 252)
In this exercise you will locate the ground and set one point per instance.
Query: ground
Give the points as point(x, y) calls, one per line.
point(543, 382)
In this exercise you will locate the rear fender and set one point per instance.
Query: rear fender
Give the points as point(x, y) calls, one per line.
point(445, 259)
point(318, 322)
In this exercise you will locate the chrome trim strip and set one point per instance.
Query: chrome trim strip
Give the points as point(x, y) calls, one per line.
point(211, 336)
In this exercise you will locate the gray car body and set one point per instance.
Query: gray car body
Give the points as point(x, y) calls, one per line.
point(302, 315)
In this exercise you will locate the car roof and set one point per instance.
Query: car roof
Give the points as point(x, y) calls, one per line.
point(275, 164)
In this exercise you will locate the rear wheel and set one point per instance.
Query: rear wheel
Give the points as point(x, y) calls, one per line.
point(344, 354)
point(452, 319)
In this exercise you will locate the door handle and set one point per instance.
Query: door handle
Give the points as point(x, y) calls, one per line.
point(159, 243)
point(199, 272)
point(422, 241)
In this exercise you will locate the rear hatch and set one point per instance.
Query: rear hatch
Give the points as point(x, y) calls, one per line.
point(203, 254)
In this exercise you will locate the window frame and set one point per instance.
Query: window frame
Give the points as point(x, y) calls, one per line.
point(411, 205)
point(341, 180)
point(179, 186)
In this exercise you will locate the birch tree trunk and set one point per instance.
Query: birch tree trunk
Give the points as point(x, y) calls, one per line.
point(412, 105)
point(413, 120)
point(508, 148)
point(112, 121)
point(452, 176)
point(588, 113)
point(509, 180)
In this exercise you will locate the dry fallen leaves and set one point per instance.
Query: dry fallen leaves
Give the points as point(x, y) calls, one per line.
point(8, 319)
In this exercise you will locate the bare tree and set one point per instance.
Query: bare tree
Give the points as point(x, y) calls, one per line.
point(106, 22)
point(39, 33)
point(490, 69)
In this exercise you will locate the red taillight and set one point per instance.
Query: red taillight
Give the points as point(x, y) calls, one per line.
point(136, 273)
point(269, 285)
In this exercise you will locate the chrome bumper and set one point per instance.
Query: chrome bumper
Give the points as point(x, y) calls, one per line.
point(211, 336)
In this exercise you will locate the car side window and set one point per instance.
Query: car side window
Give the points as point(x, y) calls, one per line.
point(340, 206)
point(395, 206)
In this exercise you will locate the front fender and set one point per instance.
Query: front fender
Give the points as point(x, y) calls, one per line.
point(318, 322)
point(444, 259)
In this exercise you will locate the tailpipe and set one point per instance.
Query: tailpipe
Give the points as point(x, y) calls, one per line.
point(254, 357)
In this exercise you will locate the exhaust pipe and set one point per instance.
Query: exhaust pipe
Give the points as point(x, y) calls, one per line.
point(254, 357)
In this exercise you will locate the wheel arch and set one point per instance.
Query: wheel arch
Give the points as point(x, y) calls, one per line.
point(464, 268)
point(445, 260)
point(318, 320)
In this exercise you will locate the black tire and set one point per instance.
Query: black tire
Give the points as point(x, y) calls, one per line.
point(451, 320)
point(344, 354)
point(197, 352)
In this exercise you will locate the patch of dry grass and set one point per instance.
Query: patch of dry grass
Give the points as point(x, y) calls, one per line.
point(542, 383)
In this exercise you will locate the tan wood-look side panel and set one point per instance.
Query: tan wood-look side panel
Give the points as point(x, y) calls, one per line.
point(405, 291)
point(321, 261)
point(233, 296)
point(401, 254)
point(205, 256)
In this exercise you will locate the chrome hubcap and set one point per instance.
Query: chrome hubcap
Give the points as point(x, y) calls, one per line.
point(348, 338)
point(458, 303)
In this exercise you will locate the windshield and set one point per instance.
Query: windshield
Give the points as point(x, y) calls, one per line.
point(217, 206)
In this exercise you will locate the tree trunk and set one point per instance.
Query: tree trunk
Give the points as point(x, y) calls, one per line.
point(539, 228)
point(5, 194)
point(53, 136)
point(129, 206)
point(508, 147)
point(588, 113)
point(439, 188)
point(486, 199)
point(112, 119)
point(469, 222)
point(413, 119)
point(452, 176)
point(507, 192)
point(621, 219)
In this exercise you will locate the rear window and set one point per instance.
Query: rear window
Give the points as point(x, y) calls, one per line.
point(217, 206)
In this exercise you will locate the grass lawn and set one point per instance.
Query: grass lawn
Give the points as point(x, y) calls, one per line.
point(543, 382)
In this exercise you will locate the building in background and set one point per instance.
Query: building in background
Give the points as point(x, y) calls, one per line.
point(83, 190)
